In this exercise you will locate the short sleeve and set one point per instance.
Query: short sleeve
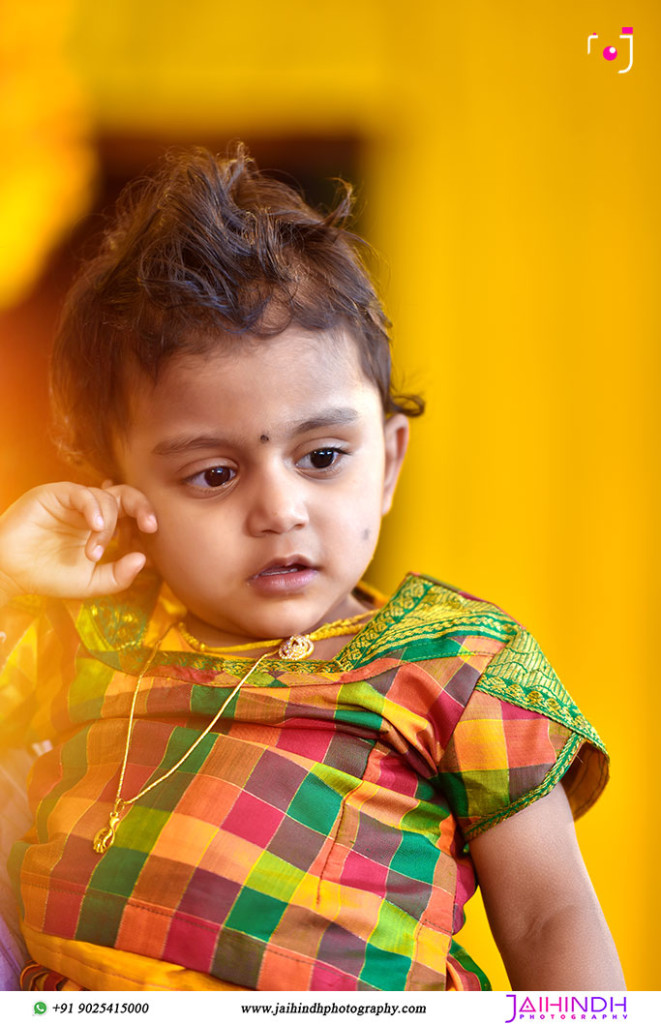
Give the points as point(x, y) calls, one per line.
point(519, 735)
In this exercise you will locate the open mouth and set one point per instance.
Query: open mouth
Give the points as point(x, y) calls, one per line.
point(277, 570)
point(286, 576)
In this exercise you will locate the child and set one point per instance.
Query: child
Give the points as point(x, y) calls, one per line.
point(263, 774)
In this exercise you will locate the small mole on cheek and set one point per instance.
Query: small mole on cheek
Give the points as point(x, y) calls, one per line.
point(264, 439)
point(366, 534)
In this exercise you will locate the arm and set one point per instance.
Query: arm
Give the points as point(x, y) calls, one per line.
point(53, 538)
point(541, 906)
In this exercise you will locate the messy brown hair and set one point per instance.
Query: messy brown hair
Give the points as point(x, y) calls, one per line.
point(207, 248)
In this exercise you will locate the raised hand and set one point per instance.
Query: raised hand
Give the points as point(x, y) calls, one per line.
point(53, 537)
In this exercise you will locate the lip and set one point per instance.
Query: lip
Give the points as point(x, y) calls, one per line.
point(285, 575)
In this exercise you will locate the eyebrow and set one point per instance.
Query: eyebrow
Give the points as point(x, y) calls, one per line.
point(202, 442)
point(188, 443)
point(331, 418)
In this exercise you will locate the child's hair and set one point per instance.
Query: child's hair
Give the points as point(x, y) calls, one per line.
point(206, 249)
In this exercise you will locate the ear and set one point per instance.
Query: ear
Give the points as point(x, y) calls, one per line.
point(396, 436)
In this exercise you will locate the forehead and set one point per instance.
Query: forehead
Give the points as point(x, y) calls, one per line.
point(264, 382)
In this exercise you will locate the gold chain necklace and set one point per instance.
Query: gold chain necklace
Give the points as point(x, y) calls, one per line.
point(295, 648)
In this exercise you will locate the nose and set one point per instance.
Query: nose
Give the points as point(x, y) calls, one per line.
point(276, 502)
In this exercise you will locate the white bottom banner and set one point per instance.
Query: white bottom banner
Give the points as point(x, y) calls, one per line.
point(322, 1008)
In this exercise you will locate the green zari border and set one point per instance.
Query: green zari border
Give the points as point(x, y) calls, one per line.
point(522, 676)
point(424, 608)
point(563, 762)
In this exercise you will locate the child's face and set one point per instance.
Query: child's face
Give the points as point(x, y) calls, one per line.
point(269, 468)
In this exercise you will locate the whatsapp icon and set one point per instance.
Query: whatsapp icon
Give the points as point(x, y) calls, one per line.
point(40, 1007)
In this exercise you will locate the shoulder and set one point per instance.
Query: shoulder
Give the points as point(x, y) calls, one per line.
point(425, 616)
point(426, 620)
point(117, 629)
point(111, 623)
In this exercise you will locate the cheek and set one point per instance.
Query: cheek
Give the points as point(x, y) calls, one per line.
point(160, 552)
point(195, 534)
point(172, 542)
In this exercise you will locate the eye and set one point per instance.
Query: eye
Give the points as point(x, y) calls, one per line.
point(213, 477)
point(323, 458)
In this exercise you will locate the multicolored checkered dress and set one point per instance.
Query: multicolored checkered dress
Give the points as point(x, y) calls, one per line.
point(317, 837)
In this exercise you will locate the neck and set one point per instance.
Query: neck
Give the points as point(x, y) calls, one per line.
point(219, 638)
point(205, 638)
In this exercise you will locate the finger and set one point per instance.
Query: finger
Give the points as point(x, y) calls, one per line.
point(112, 577)
point(99, 539)
point(135, 504)
point(98, 511)
point(86, 501)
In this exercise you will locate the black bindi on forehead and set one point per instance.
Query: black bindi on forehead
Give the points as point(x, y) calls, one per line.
point(264, 438)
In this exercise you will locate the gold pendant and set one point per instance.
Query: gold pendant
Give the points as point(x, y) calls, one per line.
point(296, 648)
point(105, 837)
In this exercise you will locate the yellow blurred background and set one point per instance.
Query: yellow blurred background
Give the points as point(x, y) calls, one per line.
point(510, 182)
